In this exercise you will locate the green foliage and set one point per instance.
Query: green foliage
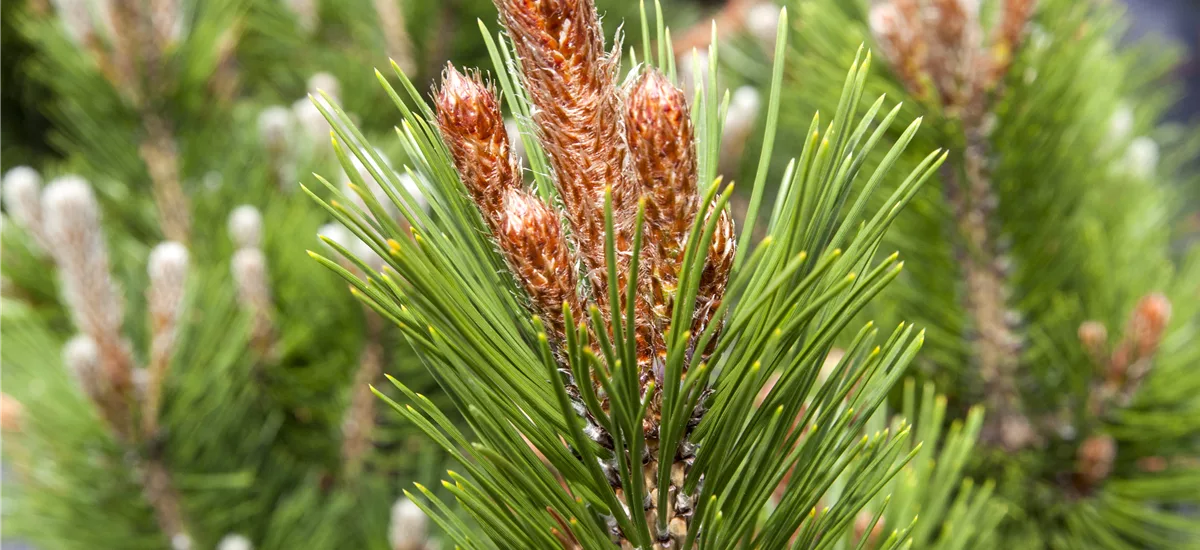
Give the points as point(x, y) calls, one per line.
point(790, 298)
point(22, 128)
point(253, 442)
point(1083, 220)
point(955, 516)
point(252, 437)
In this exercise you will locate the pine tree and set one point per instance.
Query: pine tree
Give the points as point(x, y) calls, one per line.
point(632, 373)
point(209, 390)
point(1042, 254)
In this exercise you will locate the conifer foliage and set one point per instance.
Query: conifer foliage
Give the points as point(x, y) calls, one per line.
point(211, 390)
point(1041, 252)
point(633, 375)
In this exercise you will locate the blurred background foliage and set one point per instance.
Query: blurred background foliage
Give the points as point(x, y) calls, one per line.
point(1057, 234)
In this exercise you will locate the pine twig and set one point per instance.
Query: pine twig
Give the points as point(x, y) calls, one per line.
point(395, 33)
point(167, 268)
point(938, 50)
point(72, 224)
point(249, 268)
point(692, 465)
point(159, 151)
point(101, 357)
point(160, 491)
point(359, 422)
point(996, 346)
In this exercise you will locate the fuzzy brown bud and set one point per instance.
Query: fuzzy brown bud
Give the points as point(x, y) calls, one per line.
point(469, 117)
point(662, 146)
point(1149, 322)
point(571, 82)
point(897, 27)
point(661, 140)
point(1094, 459)
point(531, 238)
point(527, 229)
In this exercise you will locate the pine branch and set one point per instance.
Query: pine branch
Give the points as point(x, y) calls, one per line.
point(603, 455)
point(73, 231)
point(939, 50)
point(996, 347)
point(222, 440)
point(1038, 185)
point(359, 421)
point(160, 491)
point(101, 357)
point(167, 267)
point(159, 151)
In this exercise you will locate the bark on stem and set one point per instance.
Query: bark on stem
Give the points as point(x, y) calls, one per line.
point(159, 151)
point(164, 499)
point(360, 416)
point(995, 345)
